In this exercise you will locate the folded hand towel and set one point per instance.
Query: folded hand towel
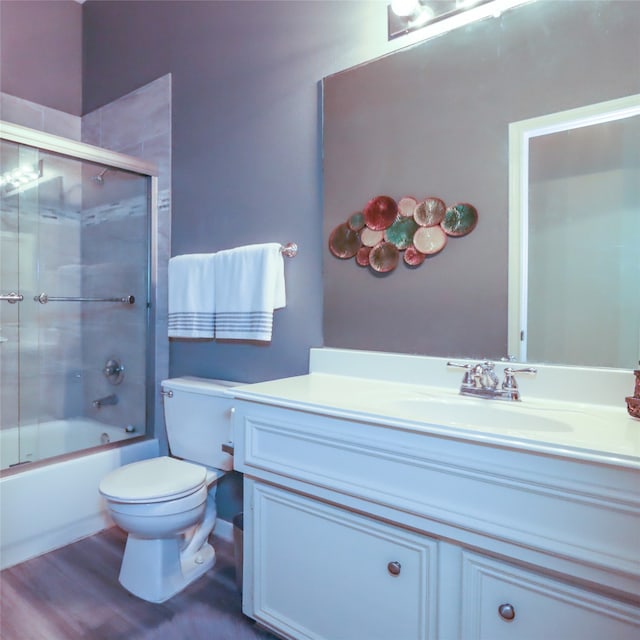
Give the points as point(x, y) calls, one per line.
point(191, 296)
point(249, 286)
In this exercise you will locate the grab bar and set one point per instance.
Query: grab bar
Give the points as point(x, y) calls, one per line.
point(43, 298)
point(12, 297)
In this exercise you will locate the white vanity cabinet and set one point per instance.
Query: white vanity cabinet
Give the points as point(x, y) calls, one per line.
point(319, 571)
point(372, 528)
point(504, 602)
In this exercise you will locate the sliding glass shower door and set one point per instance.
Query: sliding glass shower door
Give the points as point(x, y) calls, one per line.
point(74, 258)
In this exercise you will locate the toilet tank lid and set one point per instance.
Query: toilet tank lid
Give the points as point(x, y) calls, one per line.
point(210, 386)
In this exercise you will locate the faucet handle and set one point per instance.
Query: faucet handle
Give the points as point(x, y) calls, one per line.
point(459, 365)
point(510, 376)
point(510, 386)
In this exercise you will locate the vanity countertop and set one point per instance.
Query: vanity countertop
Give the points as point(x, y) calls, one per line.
point(580, 431)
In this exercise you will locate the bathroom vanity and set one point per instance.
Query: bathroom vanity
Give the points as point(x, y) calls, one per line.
point(381, 504)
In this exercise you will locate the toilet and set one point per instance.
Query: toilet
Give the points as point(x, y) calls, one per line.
point(167, 505)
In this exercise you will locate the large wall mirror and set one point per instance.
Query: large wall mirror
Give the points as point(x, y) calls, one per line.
point(574, 235)
point(433, 120)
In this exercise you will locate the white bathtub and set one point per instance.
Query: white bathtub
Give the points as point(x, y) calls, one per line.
point(48, 506)
point(31, 443)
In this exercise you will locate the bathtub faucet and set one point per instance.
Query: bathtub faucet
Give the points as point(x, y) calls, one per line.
point(101, 402)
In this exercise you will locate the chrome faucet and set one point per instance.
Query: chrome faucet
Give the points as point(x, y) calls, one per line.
point(480, 380)
point(107, 400)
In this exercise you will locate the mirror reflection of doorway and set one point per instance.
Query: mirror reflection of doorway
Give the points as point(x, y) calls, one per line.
point(584, 245)
point(580, 243)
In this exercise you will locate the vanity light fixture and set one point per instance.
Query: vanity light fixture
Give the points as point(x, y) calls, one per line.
point(20, 178)
point(406, 16)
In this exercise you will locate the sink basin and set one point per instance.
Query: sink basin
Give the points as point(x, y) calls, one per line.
point(471, 413)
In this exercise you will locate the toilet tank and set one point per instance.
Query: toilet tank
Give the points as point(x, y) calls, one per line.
point(197, 415)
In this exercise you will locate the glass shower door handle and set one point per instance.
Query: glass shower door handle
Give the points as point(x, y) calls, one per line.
point(12, 297)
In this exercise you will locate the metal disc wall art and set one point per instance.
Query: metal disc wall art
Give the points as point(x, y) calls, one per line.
point(386, 231)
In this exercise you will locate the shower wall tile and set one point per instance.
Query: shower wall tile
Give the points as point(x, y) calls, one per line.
point(135, 150)
point(114, 243)
point(22, 112)
point(156, 148)
point(139, 124)
point(9, 377)
point(139, 115)
point(50, 335)
point(37, 116)
point(92, 128)
point(63, 124)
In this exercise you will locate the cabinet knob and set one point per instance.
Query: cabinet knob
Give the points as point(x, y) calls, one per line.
point(394, 568)
point(507, 611)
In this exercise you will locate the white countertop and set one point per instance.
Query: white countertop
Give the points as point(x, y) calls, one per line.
point(577, 430)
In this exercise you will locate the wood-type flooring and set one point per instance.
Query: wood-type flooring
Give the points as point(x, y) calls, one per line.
point(73, 593)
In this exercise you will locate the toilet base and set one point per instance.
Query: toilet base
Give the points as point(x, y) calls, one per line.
point(155, 570)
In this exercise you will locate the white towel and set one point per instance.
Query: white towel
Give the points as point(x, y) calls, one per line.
point(249, 286)
point(191, 296)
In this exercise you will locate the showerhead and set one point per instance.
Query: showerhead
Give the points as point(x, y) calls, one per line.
point(99, 179)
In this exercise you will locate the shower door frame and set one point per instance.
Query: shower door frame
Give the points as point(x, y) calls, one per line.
point(112, 159)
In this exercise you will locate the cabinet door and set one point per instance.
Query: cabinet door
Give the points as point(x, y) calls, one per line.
point(501, 602)
point(324, 572)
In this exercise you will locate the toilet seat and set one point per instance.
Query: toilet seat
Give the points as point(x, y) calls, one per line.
point(155, 480)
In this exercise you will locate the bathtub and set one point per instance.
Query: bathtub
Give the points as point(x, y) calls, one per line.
point(35, 442)
point(31, 443)
point(46, 506)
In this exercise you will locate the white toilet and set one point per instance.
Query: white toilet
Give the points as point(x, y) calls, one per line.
point(167, 505)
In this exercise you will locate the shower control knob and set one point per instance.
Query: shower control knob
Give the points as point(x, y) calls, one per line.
point(114, 371)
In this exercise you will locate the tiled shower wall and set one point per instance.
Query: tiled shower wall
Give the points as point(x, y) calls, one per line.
point(113, 250)
point(138, 124)
point(46, 343)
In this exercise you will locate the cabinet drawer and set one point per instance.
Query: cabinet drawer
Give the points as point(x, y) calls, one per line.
point(325, 573)
point(504, 602)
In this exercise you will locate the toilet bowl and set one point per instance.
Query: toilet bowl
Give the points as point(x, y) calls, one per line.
point(167, 505)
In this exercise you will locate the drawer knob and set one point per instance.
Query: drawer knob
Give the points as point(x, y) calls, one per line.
point(394, 568)
point(507, 611)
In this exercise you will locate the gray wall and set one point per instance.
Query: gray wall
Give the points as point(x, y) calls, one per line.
point(41, 52)
point(246, 143)
point(246, 137)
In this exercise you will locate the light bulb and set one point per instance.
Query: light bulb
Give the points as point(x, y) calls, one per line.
point(404, 8)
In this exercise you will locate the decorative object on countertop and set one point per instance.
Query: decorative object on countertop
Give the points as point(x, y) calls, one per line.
point(633, 402)
point(378, 234)
point(633, 407)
